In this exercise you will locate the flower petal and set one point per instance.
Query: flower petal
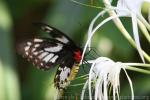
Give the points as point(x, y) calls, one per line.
point(136, 35)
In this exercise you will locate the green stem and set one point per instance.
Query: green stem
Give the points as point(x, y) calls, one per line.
point(144, 30)
point(138, 70)
point(78, 84)
point(81, 76)
point(86, 4)
point(138, 64)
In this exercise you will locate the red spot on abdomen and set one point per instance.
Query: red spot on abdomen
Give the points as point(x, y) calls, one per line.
point(77, 55)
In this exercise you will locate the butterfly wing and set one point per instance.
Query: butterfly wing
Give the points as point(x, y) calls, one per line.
point(55, 34)
point(42, 52)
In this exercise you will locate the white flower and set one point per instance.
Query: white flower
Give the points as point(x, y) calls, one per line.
point(132, 8)
point(124, 8)
point(104, 73)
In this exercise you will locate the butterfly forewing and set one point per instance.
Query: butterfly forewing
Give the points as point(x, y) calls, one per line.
point(44, 53)
point(56, 34)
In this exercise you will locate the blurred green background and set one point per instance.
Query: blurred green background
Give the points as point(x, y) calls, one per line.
point(20, 80)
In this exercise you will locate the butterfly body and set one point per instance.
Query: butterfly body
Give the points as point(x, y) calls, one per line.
point(46, 53)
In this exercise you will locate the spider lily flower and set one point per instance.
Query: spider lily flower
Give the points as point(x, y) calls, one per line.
point(105, 73)
point(132, 8)
point(124, 8)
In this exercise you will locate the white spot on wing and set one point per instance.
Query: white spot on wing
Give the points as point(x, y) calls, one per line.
point(47, 58)
point(27, 53)
point(55, 48)
point(26, 48)
point(63, 39)
point(29, 43)
point(36, 45)
point(31, 56)
point(38, 40)
point(38, 52)
point(41, 64)
point(42, 55)
point(54, 59)
point(35, 53)
point(64, 75)
point(48, 29)
point(36, 60)
point(33, 49)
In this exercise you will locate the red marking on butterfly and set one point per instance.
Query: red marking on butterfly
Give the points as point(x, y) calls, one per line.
point(77, 55)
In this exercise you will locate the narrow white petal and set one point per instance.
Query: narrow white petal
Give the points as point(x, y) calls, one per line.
point(105, 72)
point(131, 85)
point(83, 90)
point(92, 24)
point(97, 85)
point(136, 35)
point(94, 30)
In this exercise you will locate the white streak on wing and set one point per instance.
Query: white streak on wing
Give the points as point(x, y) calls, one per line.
point(27, 53)
point(26, 48)
point(42, 55)
point(47, 58)
point(63, 39)
point(36, 45)
point(54, 49)
point(31, 56)
point(36, 60)
point(37, 52)
point(41, 64)
point(29, 43)
point(54, 59)
point(48, 29)
point(38, 40)
point(33, 49)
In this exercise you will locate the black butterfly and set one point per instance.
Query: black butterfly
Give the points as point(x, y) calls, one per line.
point(49, 52)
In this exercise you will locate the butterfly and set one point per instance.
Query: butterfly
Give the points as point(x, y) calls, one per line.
point(58, 50)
